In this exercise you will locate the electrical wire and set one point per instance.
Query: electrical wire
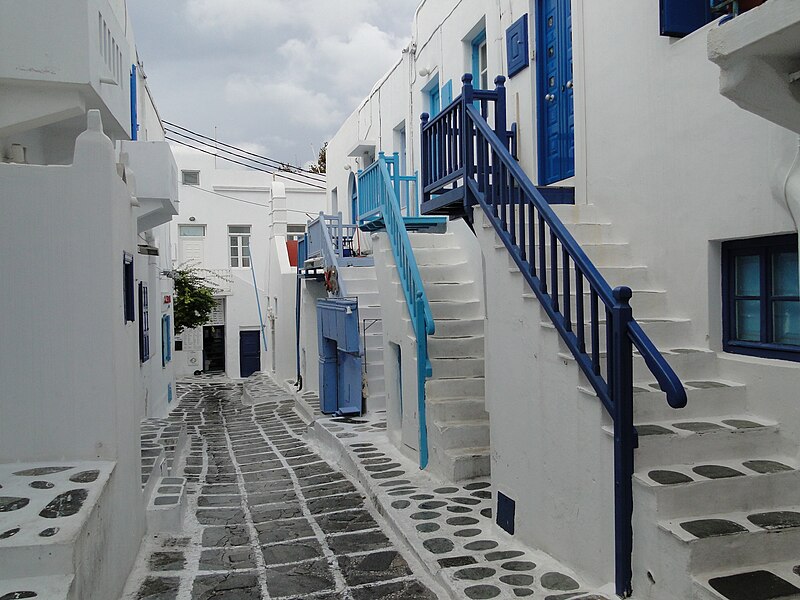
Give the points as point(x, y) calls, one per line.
point(197, 187)
point(277, 163)
point(279, 173)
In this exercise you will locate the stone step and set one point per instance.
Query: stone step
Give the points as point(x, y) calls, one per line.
point(450, 309)
point(706, 399)
point(357, 287)
point(432, 240)
point(456, 347)
point(609, 254)
point(759, 581)
point(462, 387)
point(452, 290)
point(690, 364)
point(167, 507)
point(731, 540)
point(629, 275)
point(645, 303)
point(683, 442)
point(467, 463)
point(459, 271)
point(456, 409)
point(665, 332)
point(47, 587)
point(459, 434)
point(438, 256)
point(354, 273)
point(458, 327)
point(692, 490)
point(450, 368)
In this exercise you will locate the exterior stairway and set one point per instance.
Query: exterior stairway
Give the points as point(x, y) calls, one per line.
point(458, 425)
point(361, 282)
point(716, 487)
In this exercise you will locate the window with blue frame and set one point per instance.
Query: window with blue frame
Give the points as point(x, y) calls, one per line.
point(480, 61)
point(144, 323)
point(761, 297)
point(166, 340)
point(434, 97)
point(128, 288)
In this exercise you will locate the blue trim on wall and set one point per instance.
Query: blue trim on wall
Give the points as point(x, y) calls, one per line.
point(434, 96)
point(447, 93)
point(517, 46)
point(134, 105)
point(476, 59)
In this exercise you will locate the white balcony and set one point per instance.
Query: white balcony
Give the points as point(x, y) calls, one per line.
point(758, 54)
point(77, 51)
point(156, 177)
point(222, 279)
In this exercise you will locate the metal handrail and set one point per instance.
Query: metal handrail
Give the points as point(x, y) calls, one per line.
point(537, 241)
point(320, 234)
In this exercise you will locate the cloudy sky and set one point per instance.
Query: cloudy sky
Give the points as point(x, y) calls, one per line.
point(273, 76)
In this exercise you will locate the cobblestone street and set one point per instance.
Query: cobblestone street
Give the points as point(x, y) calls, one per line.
point(267, 516)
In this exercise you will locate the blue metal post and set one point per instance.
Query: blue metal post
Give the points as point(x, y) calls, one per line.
point(134, 106)
point(620, 355)
point(425, 159)
point(467, 136)
point(422, 361)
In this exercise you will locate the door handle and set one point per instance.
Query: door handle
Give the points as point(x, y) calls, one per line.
point(569, 84)
point(550, 97)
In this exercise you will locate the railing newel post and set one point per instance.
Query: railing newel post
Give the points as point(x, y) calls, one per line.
point(424, 158)
point(467, 143)
point(621, 357)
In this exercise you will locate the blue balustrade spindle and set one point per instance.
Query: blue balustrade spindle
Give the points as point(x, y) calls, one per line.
point(460, 150)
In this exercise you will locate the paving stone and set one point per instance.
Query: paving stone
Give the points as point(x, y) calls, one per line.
point(644, 430)
point(12, 503)
point(446, 490)
point(559, 582)
point(65, 505)
point(462, 521)
point(166, 500)
point(358, 542)
point(271, 533)
point(425, 515)
point(775, 520)
point(517, 579)
point(41, 485)
point(159, 588)
point(478, 485)
point(276, 512)
point(717, 471)
point(232, 586)
point(767, 466)
point(234, 535)
point(503, 555)
point(227, 559)
point(299, 579)
point(39, 471)
point(698, 426)
point(474, 573)
point(85, 476)
point(373, 567)
point(428, 527)
point(467, 532)
point(742, 424)
point(223, 516)
point(456, 561)
point(665, 477)
point(398, 590)
point(334, 503)
point(296, 551)
point(347, 521)
point(217, 501)
point(438, 545)
point(706, 528)
point(459, 509)
point(482, 592)
point(754, 585)
point(519, 565)
point(401, 504)
point(481, 545)
point(166, 561)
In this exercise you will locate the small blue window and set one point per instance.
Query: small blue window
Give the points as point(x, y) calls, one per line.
point(679, 18)
point(761, 297)
point(144, 323)
point(128, 288)
point(434, 96)
point(517, 46)
point(480, 62)
point(166, 340)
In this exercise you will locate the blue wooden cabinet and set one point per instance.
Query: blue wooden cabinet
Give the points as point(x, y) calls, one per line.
point(339, 357)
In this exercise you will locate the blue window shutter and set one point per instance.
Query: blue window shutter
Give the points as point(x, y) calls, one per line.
point(144, 323)
point(447, 93)
point(681, 17)
point(517, 46)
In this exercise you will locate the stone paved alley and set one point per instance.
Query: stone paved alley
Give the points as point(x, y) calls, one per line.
point(277, 509)
point(268, 518)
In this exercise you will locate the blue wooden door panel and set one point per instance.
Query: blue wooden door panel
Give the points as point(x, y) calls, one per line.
point(556, 105)
point(249, 353)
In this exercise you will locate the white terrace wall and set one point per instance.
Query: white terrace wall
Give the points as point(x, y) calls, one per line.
point(67, 357)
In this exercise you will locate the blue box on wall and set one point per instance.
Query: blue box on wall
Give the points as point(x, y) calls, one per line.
point(517, 46)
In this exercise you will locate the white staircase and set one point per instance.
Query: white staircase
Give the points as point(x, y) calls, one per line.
point(716, 488)
point(361, 282)
point(458, 425)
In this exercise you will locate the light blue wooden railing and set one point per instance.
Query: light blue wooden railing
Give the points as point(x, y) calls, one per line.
point(378, 199)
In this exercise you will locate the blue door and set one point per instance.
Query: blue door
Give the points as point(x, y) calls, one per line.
point(249, 353)
point(556, 113)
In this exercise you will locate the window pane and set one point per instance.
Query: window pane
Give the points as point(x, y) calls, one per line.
point(748, 320)
point(786, 321)
point(246, 250)
point(245, 262)
point(785, 274)
point(234, 251)
point(748, 276)
point(192, 230)
point(238, 228)
point(234, 261)
point(190, 177)
point(245, 240)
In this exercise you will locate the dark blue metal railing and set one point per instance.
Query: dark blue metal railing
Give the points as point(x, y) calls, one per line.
point(377, 197)
point(460, 149)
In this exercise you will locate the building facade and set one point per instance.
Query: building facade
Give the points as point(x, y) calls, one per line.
point(608, 158)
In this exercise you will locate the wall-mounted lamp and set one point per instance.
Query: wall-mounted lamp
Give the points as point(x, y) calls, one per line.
point(425, 71)
point(348, 168)
point(192, 219)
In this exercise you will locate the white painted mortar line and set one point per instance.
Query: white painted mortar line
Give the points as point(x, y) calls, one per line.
point(251, 528)
point(341, 585)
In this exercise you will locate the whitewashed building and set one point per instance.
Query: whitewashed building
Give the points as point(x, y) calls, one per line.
point(87, 185)
point(233, 227)
point(604, 155)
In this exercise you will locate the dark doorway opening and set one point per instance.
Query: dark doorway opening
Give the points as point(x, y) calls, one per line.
point(214, 348)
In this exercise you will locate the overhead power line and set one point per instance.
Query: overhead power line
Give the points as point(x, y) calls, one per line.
point(275, 163)
point(285, 175)
point(197, 187)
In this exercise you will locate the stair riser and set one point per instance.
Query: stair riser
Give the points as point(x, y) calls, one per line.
point(444, 368)
point(456, 410)
point(455, 310)
point(602, 255)
point(633, 277)
point(749, 493)
point(357, 287)
point(376, 385)
point(458, 327)
point(457, 272)
point(455, 347)
point(688, 367)
point(567, 213)
point(736, 551)
point(452, 291)
point(655, 450)
point(438, 256)
point(429, 240)
point(664, 334)
point(454, 388)
point(701, 404)
point(449, 437)
point(461, 468)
